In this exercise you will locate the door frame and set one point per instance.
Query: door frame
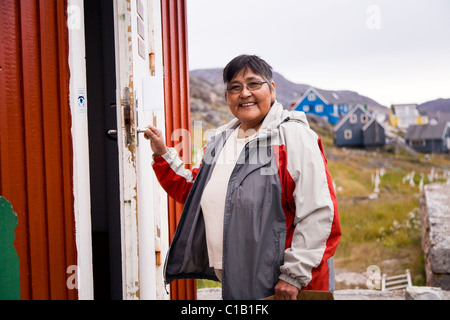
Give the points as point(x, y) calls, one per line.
point(144, 216)
point(80, 137)
point(143, 202)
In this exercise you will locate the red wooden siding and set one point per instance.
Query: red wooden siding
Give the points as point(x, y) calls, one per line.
point(176, 85)
point(35, 142)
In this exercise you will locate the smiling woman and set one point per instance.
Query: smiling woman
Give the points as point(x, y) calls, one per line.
point(248, 98)
point(260, 213)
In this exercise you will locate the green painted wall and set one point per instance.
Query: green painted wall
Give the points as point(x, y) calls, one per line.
point(9, 260)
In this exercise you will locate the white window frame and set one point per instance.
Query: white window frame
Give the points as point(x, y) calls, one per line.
point(348, 134)
point(364, 118)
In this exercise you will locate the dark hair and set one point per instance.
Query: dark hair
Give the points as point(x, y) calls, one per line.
point(245, 62)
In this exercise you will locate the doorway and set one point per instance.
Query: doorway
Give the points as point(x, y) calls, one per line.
point(103, 149)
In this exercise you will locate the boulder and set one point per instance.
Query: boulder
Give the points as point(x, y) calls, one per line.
point(423, 293)
point(435, 215)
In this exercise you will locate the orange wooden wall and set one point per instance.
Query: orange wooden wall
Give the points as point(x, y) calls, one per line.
point(176, 85)
point(35, 142)
point(35, 137)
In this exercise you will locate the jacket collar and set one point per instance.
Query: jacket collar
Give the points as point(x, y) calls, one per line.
point(278, 115)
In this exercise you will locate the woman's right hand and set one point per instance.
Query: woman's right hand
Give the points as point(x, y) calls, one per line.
point(156, 140)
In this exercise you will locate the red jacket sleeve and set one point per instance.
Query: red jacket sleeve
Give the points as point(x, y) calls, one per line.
point(173, 176)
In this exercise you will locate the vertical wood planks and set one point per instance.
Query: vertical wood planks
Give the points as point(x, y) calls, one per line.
point(176, 85)
point(35, 139)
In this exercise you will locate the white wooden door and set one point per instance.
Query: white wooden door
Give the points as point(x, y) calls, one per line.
point(140, 92)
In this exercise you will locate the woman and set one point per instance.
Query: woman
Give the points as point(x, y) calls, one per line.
point(260, 212)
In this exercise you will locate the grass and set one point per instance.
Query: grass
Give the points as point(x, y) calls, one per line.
point(202, 284)
point(386, 231)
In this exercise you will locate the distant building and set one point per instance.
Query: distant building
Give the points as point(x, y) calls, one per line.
point(359, 129)
point(325, 104)
point(404, 115)
point(431, 138)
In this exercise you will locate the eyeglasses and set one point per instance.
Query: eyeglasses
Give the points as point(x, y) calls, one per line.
point(251, 86)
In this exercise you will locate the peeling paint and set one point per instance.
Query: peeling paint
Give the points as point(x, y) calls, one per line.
point(128, 177)
point(133, 290)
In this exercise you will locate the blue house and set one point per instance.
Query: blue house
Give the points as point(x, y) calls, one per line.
point(325, 104)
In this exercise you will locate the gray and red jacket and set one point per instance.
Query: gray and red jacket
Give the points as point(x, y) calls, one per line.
point(281, 218)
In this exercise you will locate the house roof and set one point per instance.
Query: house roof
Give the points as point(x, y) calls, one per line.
point(427, 132)
point(329, 97)
point(349, 114)
point(369, 123)
point(405, 109)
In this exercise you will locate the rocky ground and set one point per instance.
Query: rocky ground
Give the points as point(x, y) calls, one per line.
point(412, 293)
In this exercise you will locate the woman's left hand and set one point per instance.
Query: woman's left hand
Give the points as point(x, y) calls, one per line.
point(285, 291)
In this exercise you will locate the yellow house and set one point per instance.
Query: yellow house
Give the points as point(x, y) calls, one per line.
point(403, 115)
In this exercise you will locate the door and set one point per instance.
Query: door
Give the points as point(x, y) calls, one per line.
point(140, 101)
point(103, 149)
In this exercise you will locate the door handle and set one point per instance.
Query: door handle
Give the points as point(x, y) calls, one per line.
point(127, 117)
point(112, 135)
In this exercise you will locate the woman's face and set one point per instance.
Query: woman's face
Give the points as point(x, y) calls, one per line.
point(250, 107)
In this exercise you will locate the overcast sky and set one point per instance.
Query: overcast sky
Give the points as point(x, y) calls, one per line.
point(393, 51)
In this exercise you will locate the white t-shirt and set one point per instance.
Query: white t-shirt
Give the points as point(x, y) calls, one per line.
point(213, 199)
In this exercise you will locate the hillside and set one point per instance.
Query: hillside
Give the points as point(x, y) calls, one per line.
point(209, 81)
point(287, 91)
point(436, 108)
